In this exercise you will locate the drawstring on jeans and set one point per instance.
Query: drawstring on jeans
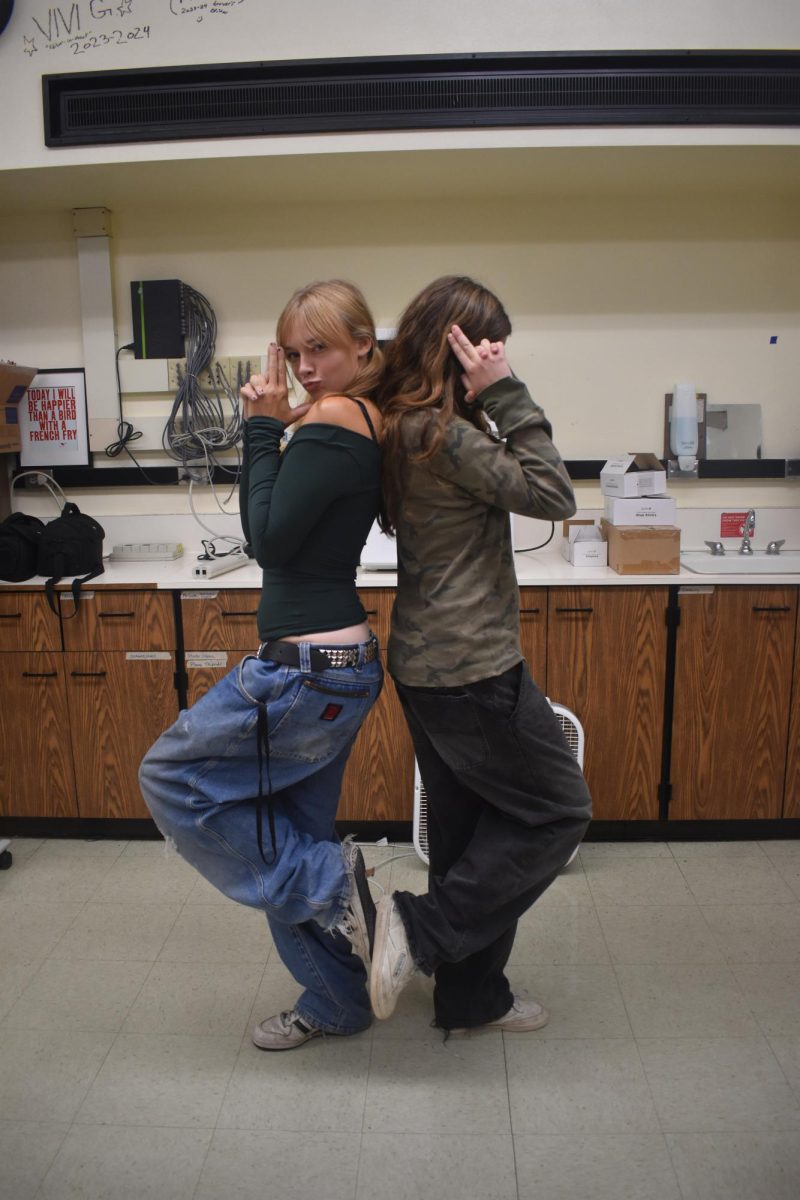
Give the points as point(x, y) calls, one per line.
point(262, 744)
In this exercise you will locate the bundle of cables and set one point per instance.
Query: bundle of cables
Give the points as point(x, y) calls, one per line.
point(204, 421)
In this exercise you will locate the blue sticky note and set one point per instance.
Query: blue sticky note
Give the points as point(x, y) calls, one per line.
point(773, 341)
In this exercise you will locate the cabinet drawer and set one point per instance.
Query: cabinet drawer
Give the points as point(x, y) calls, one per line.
point(109, 620)
point(27, 622)
point(224, 620)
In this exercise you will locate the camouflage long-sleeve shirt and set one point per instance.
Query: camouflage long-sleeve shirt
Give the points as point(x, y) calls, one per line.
point(456, 617)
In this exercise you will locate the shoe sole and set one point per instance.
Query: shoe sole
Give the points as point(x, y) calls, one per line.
point(383, 1005)
point(363, 907)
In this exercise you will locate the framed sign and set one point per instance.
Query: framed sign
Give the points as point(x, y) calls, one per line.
point(53, 421)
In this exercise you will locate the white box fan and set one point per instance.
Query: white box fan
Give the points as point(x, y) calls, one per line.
point(573, 732)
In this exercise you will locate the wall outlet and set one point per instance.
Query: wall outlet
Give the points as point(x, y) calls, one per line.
point(208, 378)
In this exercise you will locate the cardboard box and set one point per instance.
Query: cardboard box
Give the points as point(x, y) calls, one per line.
point(633, 475)
point(643, 549)
point(641, 510)
point(583, 544)
point(14, 382)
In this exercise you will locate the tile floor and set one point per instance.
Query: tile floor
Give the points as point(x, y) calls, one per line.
point(670, 1069)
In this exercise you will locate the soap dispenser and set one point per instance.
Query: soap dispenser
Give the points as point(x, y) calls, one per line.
point(683, 428)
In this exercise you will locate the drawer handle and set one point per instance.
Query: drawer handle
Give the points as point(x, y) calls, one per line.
point(88, 674)
point(371, 612)
point(532, 610)
point(234, 612)
point(115, 614)
point(10, 616)
point(574, 610)
point(39, 674)
point(772, 608)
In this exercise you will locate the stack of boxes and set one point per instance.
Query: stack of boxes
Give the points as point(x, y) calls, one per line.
point(639, 521)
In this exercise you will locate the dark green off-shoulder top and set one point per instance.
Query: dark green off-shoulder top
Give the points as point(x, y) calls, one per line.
point(306, 513)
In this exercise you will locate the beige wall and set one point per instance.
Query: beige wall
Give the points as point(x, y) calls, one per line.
point(625, 266)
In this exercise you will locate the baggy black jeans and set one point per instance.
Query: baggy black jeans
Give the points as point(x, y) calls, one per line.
point(507, 806)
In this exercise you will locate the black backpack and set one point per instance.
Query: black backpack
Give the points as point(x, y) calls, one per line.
point(19, 546)
point(72, 544)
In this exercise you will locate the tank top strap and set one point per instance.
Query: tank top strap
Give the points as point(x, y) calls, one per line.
point(367, 417)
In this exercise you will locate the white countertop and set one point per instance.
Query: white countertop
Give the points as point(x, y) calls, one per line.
point(547, 568)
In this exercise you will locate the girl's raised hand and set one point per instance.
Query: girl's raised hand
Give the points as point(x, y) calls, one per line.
point(483, 364)
point(267, 395)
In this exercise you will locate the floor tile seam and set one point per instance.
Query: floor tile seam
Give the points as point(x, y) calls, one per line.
point(212, 1132)
point(692, 1193)
point(793, 1088)
point(750, 1038)
point(65, 1134)
point(510, 1117)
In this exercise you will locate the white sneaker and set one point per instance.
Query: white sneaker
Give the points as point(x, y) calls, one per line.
point(523, 1017)
point(392, 963)
point(283, 1032)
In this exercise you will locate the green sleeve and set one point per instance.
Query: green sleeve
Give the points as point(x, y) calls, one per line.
point(288, 493)
point(523, 473)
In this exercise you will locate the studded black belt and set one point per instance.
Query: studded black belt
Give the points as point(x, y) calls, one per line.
point(321, 658)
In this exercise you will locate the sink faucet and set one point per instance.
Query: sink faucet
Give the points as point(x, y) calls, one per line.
point(747, 529)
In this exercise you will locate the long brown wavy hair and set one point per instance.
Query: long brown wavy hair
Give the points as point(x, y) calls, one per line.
point(337, 313)
point(422, 375)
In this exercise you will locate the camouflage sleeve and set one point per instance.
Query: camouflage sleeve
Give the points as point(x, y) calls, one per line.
point(523, 473)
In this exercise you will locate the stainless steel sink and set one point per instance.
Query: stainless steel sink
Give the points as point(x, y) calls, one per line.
point(702, 562)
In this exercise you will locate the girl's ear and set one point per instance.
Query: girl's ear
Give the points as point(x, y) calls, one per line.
point(364, 346)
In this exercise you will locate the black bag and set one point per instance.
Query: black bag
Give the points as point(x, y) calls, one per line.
point(19, 547)
point(72, 544)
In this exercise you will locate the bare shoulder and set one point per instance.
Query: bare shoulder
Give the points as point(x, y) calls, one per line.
point(343, 411)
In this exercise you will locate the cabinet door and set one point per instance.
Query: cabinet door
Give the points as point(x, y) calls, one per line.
point(220, 620)
point(606, 654)
point(27, 622)
point(378, 782)
point(733, 677)
point(533, 632)
point(118, 705)
point(119, 620)
point(36, 778)
point(791, 800)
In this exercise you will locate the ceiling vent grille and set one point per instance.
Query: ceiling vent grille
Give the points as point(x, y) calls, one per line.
point(461, 91)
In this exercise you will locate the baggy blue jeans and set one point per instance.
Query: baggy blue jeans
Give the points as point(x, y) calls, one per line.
point(200, 781)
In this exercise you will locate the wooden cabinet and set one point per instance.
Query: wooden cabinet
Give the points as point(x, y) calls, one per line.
point(791, 796)
point(219, 629)
point(36, 777)
point(606, 661)
point(733, 678)
point(119, 665)
point(533, 632)
point(378, 783)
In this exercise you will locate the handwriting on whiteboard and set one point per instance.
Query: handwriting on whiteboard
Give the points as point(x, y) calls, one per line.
point(91, 24)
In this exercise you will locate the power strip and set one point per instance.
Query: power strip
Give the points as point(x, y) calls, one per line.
point(219, 566)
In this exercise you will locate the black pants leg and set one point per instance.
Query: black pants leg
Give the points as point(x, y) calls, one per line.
point(507, 805)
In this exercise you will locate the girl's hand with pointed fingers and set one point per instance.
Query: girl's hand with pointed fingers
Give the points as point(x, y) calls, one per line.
point(267, 395)
point(483, 364)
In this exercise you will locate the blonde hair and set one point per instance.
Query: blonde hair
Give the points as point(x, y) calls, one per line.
point(337, 313)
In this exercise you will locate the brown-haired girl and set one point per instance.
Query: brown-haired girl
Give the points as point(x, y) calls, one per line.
point(507, 803)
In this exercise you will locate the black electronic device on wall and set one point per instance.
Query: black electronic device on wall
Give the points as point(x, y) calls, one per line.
point(158, 318)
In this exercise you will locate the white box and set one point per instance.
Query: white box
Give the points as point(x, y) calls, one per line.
point(633, 475)
point(641, 510)
point(583, 544)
